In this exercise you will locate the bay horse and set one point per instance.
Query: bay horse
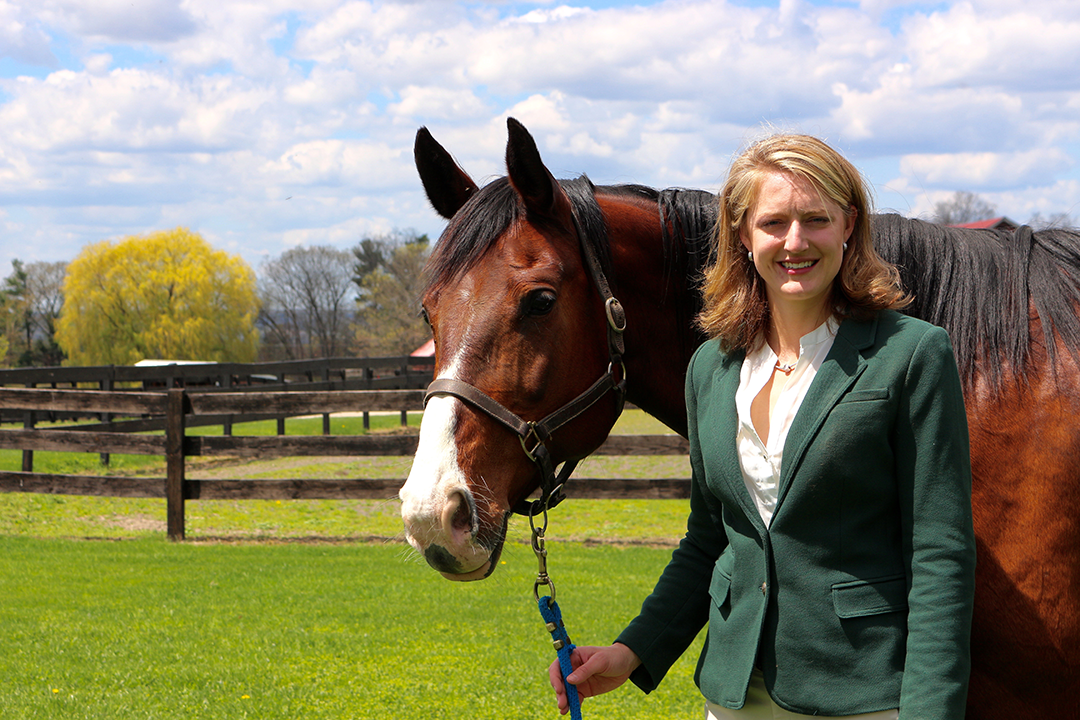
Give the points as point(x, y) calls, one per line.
point(518, 315)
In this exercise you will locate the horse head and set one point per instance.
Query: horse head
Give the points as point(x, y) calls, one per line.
point(519, 327)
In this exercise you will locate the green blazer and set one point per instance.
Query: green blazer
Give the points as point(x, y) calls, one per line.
point(858, 596)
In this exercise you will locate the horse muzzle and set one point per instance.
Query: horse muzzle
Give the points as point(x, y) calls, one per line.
point(446, 534)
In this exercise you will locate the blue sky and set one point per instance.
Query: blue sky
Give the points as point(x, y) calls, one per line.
point(268, 125)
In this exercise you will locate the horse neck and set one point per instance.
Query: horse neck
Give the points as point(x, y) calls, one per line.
point(660, 300)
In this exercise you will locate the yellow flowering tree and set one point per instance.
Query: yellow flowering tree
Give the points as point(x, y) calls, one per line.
point(166, 295)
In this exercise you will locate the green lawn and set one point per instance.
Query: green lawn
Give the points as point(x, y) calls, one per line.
point(152, 629)
point(307, 609)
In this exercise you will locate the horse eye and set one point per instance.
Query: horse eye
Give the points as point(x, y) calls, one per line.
point(424, 315)
point(539, 303)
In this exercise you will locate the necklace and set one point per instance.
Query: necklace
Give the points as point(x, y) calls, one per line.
point(786, 369)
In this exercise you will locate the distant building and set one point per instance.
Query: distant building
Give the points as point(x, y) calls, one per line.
point(998, 223)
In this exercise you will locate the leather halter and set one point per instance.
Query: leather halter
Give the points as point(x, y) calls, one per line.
point(534, 435)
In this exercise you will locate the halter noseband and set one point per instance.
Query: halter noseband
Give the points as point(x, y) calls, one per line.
point(534, 435)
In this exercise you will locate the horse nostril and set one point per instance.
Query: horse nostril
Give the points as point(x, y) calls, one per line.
point(459, 516)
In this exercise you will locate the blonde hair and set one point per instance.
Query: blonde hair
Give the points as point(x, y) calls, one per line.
point(735, 307)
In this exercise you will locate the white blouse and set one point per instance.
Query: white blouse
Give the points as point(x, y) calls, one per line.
point(760, 460)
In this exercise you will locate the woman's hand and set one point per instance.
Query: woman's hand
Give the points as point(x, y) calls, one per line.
point(597, 670)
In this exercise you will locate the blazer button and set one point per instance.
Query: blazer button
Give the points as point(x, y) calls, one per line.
point(764, 586)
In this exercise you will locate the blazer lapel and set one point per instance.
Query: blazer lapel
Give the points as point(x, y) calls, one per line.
point(837, 373)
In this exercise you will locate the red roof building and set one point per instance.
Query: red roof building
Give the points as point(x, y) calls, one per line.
point(998, 223)
point(425, 350)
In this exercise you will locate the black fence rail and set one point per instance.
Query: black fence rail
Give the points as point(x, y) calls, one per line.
point(321, 374)
point(316, 375)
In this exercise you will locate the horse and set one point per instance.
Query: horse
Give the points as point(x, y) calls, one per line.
point(519, 298)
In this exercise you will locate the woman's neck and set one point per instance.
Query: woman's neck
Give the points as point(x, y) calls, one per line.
point(787, 328)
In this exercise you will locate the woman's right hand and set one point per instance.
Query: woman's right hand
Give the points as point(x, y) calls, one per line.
point(597, 670)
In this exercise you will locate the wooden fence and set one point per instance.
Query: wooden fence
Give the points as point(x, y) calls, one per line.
point(319, 374)
point(178, 408)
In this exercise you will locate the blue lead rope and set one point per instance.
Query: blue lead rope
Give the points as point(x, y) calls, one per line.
point(549, 610)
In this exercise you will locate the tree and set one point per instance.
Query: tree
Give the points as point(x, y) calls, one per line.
point(45, 299)
point(307, 303)
point(166, 295)
point(389, 273)
point(963, 207)
point(15, 309)
point(1062, 220)
point(30, 299)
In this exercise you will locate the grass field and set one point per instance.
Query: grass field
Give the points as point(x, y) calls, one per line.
point(306, 609)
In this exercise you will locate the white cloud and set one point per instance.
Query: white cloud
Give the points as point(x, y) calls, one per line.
point(1022, 48)
point(438, 102)
point(271, 123)
point(374, 167)
point(899, 113)
point(982, 171)
point(130, 109)
point(120, 21)
point(21, 38)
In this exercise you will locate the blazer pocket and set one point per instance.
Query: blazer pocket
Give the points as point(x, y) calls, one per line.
point(720, 584)
point(865, 395)
point(859, 598)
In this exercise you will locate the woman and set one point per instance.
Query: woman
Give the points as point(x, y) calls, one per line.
point(829, 545)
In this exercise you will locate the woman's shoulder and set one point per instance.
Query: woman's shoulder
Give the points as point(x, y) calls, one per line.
point(893, 337)
point(893, 325)
point(710, 357)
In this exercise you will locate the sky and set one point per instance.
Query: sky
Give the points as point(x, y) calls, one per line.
point(268, 124)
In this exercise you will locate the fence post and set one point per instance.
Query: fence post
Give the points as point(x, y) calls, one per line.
point(369, 376)
point(28, 455)
point(281, 419)
point(107, 385)
point(326, 416)
point(174, 463)
point(226, 427)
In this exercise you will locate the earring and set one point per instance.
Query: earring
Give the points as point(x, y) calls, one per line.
point(750, 255)
point(845, 247)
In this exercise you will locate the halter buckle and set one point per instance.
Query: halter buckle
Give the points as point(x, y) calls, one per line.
point(530, 441)
point(616, 316)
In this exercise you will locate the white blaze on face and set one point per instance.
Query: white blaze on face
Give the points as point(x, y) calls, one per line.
point(435, 474)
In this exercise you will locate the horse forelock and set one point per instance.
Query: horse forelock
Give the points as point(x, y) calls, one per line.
point(474, 228)
point(491, 212)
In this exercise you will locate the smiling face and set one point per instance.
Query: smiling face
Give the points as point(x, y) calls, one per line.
point(797, 236)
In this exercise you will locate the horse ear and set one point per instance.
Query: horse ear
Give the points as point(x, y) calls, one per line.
point(446, 184)
point(536, 186)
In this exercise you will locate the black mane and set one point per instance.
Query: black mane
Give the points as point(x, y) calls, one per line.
point(689, 218)
point(980, 284)
point(977, 284)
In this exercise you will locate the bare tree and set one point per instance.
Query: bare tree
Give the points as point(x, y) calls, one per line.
point(1054, 220)
point(45, 288)
point(31, 298)
point(308, 303)
point(963, 207)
